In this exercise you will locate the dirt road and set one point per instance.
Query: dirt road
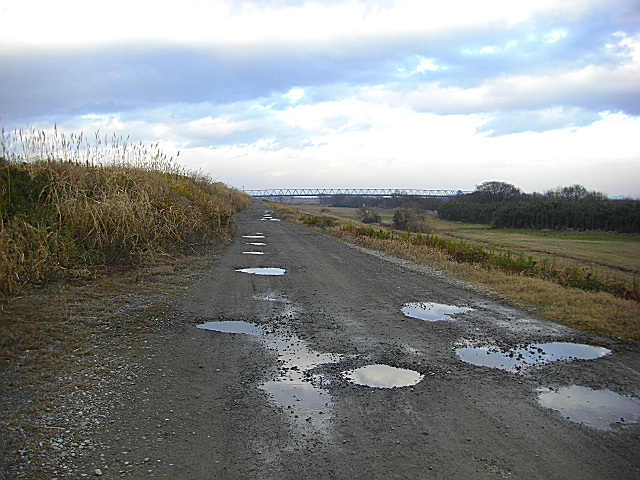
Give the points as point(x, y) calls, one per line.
point(279, 401)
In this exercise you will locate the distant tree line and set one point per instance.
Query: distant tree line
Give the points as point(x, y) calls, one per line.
point(391, 202)
point(502, 205)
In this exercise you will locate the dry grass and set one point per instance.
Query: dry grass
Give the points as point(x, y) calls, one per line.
point(68, 204)
point(95, 240)
point(596, 312)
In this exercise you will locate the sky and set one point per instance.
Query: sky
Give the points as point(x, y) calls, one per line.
point(341, 94)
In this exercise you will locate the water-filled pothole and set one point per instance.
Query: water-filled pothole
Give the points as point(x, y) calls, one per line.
point(600, 409)
point(383, 376)
point(431, 311)
point(515, 359)
point(294, 389)
point(232, 326)
point(263, 271)
point(268, 298)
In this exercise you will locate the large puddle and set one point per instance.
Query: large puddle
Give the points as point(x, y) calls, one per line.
point(294, 389)
point(517, 359)
point(263, 271)
point(232, 326)
point(432, 311)
point(383, 376)
point(602, 409)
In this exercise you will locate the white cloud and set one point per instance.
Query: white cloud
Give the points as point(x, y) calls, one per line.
point(427, 64)
point(294, 94)
point(402, 93)
point(78, 23)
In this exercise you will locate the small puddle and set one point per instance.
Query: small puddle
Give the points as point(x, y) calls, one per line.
point(263, 271)
point(515, 359)
point(232, 326)
point(383, 376)
point(601, 409)
point(267, 298)
point(432, 311)
point(253, 253)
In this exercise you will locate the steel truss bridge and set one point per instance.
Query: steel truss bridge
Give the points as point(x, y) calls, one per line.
point(352, 192)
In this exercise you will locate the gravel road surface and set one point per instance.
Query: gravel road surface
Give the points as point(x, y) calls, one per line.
point(288, 398)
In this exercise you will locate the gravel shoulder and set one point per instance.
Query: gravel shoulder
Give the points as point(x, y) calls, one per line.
point(196, 403)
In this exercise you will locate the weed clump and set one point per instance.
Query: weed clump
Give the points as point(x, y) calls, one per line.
point(67, 203)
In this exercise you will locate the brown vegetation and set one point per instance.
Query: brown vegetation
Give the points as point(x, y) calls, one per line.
point(597, 312)
point(67, 206)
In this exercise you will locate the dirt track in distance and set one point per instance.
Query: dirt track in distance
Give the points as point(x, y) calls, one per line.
point(275, 403)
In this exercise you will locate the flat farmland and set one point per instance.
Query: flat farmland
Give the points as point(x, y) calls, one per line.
point(616, 255)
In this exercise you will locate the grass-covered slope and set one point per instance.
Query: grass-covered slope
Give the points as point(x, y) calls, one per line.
point(67, 205)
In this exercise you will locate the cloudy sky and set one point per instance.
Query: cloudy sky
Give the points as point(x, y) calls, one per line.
point(296, 93)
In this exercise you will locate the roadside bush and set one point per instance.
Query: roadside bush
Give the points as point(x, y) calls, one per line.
point(368, 215)
point(317, 221)
point(410, 221)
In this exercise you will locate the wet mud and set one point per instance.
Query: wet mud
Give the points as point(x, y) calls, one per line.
point(330, 361)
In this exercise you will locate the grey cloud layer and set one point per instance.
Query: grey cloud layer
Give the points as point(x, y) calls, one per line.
point(475, 71)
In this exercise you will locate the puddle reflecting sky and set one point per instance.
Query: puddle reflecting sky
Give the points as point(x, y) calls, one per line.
point(383, 376)
point(232, 326)
point(432, 311)
point(268, 298)
point(515, 359)
point(294, 388)
point(600, 409)
point(263, 271)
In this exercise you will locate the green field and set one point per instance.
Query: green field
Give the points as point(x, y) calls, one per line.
point(616, 255)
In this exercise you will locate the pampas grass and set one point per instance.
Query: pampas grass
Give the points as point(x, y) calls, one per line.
point(67, 202)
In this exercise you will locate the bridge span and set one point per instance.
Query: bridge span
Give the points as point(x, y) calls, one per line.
point(352, 192)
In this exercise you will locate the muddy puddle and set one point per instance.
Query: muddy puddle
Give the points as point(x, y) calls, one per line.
point(232, 326)
point(432, 311)
point(266, 298)
point(268, 217)
point(263, 271)
point(297, 388)
point(601, 409)
point(383, 376)
point(516, 359)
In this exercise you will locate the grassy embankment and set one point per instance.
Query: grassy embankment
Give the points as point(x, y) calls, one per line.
point(586, 280)
point(71, 208)
point(96, 237)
